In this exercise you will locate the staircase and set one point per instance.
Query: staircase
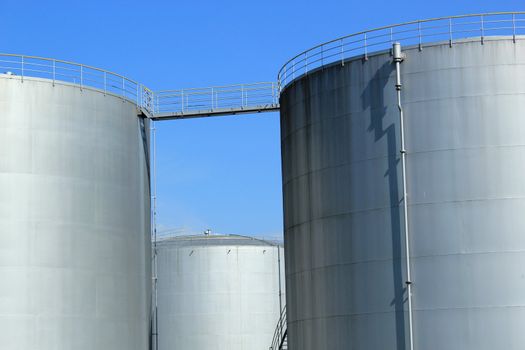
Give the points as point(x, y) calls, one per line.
point(284, 344)
point(280, 336)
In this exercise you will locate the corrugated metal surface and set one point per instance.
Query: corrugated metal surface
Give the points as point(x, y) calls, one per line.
point(218, 293)
point(74, 219)
point(465, 128)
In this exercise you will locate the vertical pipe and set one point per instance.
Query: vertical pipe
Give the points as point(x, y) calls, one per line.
point(154, 227)
point(280, 285)
point(81, 76)
point(22, 69)
point(398, 58)
point(105, 83)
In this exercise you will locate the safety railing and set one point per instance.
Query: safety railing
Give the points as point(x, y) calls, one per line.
point(280, 333)
point(216, 98)
point(210, 99)
point(84, 76)
point(416, 33)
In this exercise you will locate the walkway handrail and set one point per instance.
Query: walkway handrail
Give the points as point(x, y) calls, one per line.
point(280, 331)
point(417, 32)
point(216, 97)
point(80, 74)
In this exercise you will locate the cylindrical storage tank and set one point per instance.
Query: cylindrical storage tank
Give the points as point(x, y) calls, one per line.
point(218, 292)
point(75, 265)
point(464, 116)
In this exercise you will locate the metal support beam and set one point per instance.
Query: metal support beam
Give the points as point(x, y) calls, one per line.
point(214, 112)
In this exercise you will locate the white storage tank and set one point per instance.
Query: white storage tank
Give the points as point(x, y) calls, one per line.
point(218, 292)
point(74, 216)
point(464, 123)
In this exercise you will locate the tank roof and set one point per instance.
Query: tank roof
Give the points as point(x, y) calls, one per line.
point(217, 240)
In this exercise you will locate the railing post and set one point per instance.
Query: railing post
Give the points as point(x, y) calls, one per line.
point(242, 95)
point(391, 36)
point(419, 34)
point(81, 76)
point(482, 31)
point(105, 84)
point(138, 93)
point(305, 63)
point(54, 71)
point(22, 69)
point(450, 32)
point(322, 52)
point(342, 53)
point(366, 49)
point(182, 100)
point(293, 69)
point(514, 28)
point(123, 87)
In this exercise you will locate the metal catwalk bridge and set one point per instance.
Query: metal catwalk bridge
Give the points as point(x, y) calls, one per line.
point(215, 101)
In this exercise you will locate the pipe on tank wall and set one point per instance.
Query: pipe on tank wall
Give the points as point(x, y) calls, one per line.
point(279, 274)
point(155, 328)
point(399, 56)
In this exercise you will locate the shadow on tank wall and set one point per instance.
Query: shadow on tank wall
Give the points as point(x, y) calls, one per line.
point(373, 97)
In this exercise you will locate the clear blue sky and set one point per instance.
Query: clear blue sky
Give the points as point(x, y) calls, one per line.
point(219, 173)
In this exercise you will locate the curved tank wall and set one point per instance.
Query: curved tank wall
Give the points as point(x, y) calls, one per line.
point(74, 219)
point(218, 292)
point(465, 135)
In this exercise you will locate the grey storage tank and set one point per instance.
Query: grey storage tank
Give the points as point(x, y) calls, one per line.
point(464, 122)
point(218, 292)
point(74, 213)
